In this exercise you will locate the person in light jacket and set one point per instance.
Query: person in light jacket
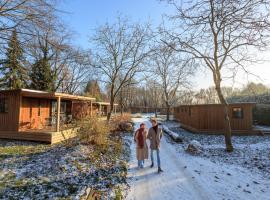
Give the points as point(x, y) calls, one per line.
point(154, 135)
point(141, 145)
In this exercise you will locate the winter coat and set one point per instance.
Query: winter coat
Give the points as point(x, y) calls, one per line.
point(155, 138)
point(142, 153)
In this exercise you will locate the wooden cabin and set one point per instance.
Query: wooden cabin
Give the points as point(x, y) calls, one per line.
point(145, 109)
point(102, 108)
point(41, 116)
point(210, 118)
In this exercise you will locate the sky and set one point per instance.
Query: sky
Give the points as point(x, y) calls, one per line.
point(83, 16)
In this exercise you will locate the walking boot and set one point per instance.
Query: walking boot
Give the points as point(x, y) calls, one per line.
point(159, 170)
point(152, 165)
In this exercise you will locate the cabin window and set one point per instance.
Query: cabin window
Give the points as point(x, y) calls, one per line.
point(63, 107)
point(3, 105)
point(238, 113)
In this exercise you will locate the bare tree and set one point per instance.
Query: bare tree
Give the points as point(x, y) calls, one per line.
point(120, 50)
point(155, 93)
point(52, 43)
point(75, 71)
point(22, 15)
point(173, 72)
point(221, 35)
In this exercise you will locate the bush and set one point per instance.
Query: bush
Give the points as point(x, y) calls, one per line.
point(94, 131)
point(122, 122)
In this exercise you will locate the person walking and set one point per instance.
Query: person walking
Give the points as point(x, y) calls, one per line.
point(154, 135)
point(141, 145)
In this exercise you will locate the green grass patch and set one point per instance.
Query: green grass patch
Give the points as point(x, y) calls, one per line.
point(19, 150)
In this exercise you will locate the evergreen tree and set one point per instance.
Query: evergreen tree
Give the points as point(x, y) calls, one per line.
point(14, 74)
point(42, 76)
point(92, 89)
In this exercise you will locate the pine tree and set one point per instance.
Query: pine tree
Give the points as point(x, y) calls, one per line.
point(41, 76)
point(14, 74)
point(92, 89)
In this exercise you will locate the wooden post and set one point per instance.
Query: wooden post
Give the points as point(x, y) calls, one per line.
point(58, 114)
point(99, 109)
point(114, 109)
point(19, 115)
point(91, 107)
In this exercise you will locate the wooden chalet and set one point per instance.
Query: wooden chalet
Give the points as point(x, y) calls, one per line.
point(209, 118)
point(41, 116)
point(102, 108)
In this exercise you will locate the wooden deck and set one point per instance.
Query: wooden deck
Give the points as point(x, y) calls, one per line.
point(41, 135)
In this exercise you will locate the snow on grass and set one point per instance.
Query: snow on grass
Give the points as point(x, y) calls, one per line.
point(58, 171)
point(251, 152)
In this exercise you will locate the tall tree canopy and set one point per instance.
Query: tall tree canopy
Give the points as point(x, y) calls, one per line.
point(14, 74)
point(120, 50)
point(42, 76)
point(221, 35)
point(93, 89)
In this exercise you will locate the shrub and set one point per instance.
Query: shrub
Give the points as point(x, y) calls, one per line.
point(94, 131)
point(122, 122)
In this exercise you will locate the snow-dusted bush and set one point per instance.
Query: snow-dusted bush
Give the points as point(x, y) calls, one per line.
point(122, 122)
point(94, 131)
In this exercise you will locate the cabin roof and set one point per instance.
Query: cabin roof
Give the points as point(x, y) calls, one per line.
point(105, 103)
point(50, 95)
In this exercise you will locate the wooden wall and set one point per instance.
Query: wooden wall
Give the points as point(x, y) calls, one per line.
point(81, 109)
point(29, 136)
point(30, 118)
point(63, 135)
point(9, 120)
point(95, 110)
point(211, 117)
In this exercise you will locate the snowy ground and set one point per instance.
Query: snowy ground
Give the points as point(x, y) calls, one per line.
point(251, 152)
point(190, 177)
point(30, 170)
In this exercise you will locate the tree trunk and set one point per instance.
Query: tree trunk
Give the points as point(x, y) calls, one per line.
point(121, 102)
point(227, 123)
point(168, 111)
point(156, 112)
point(111, 108)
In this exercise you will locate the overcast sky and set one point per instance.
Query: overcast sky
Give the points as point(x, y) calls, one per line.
point(83, 16)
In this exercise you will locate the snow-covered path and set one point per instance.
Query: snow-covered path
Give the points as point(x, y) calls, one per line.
point(187, 177)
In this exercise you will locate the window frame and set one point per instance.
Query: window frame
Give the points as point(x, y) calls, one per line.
point(5, 108)
point(238, 114)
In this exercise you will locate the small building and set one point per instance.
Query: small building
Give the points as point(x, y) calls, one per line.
point(102, 108)
point(145, 109)
point(41, 116)
point(209, 118)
